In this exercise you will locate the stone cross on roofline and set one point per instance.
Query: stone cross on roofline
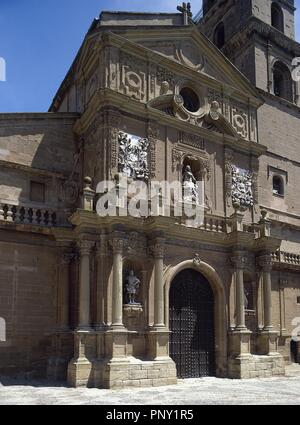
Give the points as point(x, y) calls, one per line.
point(185, 9)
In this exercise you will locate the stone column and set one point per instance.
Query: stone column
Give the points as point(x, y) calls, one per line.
point(267, 341)
point(265, 263)
point(158, 337)
point(158, 251)
point(239, 263)
point(240, 336)
point(79, 368)
point(117, 301)
point(101, 275)
point(84, 285)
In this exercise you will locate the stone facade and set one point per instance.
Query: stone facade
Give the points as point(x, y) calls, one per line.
point(147, 97)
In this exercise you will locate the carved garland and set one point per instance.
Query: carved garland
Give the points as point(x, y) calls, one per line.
point(153, 135)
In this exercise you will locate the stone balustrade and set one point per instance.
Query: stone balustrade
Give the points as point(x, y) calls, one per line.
point(27, 215)
point(281, 257)
point(214, 224)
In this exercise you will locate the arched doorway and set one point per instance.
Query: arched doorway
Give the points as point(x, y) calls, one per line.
point(192, 327)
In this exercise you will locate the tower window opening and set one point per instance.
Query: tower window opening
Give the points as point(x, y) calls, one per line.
point(283, 86)
point(219, 37)
point(278, 187)
point(277, 17)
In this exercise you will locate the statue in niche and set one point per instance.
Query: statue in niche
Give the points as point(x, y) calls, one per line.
point(132, 287)
point(189, 185)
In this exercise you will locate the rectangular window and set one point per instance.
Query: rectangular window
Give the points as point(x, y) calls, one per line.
point(37, 192)
point(298, 300)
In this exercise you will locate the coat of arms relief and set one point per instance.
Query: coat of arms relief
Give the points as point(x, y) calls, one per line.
point(242, 188)
point(133, 156)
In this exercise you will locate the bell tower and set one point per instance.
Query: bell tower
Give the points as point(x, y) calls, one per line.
point(258, 36)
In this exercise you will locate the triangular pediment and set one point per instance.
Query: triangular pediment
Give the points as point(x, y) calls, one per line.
point(190, 48)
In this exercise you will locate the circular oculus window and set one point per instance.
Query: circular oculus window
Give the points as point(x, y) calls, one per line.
point(191, 100)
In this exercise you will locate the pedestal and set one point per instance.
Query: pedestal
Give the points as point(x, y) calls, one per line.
point(240, 343)
point(267, 343)
point(158, 345)
point(80, 367)
point(132, 316)
point(239, 354)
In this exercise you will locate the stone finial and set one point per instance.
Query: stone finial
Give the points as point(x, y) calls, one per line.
point(237, 221)
point(265, 224)
point(264, 214)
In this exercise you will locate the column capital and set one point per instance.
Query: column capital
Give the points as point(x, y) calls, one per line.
point(118, 244)
point(157, 248)
point(239, 260)
point(265, 262)
point(85, 246)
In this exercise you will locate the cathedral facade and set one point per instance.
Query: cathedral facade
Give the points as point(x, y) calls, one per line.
point(118, 299)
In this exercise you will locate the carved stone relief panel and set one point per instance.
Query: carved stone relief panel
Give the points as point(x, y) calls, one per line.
point(134, 77)
point(242, 188)
point(153, 135)
point(133, 156)
point(188, 54)
point(228, 175)
point(240, 122)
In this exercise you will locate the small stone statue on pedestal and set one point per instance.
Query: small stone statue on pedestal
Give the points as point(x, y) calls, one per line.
point(132, 287)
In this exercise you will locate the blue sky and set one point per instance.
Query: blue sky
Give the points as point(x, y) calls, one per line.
point(40, 38)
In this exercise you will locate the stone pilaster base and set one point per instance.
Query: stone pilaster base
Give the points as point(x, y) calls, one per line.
point(80, 367)
point(115, 343)
point(158, 344)
point(134, 373)
point(239, 343)
point(267, 343)
point(247, 367)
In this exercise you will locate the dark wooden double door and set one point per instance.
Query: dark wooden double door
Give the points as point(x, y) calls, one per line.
point(192, 338)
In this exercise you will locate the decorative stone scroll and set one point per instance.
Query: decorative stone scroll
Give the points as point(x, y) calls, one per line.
point(242, 191)
point(133, 156)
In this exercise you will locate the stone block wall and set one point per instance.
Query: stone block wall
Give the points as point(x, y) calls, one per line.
point(248, 367)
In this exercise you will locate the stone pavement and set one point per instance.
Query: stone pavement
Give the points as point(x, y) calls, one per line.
point(205, 391)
